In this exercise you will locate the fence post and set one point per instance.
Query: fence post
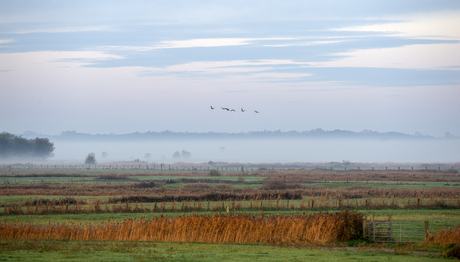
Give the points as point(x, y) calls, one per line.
point(426, 230)
point(364, 228)
point(400, 232)
point(372, 226)
point(390, 227)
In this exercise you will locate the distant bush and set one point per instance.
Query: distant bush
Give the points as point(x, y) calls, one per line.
point(214, 172)
point(90, 159)
point(113, 177)
point(196, 186)
point(222, 187)
point(275, 185)
point(280, 185)
point(150, 184)
point(45, 202)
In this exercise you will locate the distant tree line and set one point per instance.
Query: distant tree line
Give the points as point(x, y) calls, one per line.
point(17, 147)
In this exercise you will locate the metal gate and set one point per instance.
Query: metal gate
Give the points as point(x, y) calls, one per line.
point(389, 231)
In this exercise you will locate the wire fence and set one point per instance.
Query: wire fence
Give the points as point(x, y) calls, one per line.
point(195, 167)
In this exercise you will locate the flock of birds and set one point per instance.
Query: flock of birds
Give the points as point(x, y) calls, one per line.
point(232, 110)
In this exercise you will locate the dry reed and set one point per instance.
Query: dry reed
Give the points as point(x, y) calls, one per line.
point(237, 228)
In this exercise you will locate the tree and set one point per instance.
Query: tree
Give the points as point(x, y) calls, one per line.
point(43, 148)
point(17, 147)
point(186, 154)
point(22, 148)
point(104, 155)
point(176, 154)
point(90, 159)
point(6, 144)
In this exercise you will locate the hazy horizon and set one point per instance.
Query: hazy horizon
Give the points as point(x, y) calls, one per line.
point(264, 150)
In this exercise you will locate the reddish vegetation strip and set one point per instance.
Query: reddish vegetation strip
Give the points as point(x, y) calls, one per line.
point(279, 229)
point(310, 203)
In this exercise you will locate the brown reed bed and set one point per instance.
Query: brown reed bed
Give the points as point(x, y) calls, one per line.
point(234, 228)
point(449, 239)
point(446, 236)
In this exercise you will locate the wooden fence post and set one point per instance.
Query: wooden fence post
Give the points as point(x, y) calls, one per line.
point(364, 228)
point(426, 230)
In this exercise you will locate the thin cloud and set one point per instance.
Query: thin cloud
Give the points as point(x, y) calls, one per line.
point(191, 43)
point(308, 43)
point(234, 67)
point(428, 56)
point(61, 30)
point(441, 26)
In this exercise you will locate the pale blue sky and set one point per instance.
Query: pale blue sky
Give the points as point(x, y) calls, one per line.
point(127, 66)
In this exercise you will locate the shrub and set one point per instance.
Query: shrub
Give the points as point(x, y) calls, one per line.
point(112, 177)
point(454, 252)
point(214, 172)
point(275, 185)
point(196, 187)
point(90, 159)
point(150, 184)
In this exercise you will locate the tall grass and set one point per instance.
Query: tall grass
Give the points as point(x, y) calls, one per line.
point(237, 228)
point(447, 236)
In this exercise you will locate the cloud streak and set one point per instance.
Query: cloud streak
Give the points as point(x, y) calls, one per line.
point(434, 56)
point(438, 25)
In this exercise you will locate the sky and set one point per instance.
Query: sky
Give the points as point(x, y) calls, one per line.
point(137, 66)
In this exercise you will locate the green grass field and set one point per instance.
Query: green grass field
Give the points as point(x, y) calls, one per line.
point(60, 250)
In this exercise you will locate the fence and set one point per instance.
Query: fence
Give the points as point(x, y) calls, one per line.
point(395, 232)
point(192, 167)
point(162, 167)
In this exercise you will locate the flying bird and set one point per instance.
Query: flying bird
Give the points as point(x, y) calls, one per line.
point(256, 111)
point(212, 107)
point(242, 110)
point(233, 110)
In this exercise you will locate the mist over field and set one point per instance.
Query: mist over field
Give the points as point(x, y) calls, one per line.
point(264, 150)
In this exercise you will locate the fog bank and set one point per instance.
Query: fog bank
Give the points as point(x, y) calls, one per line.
point(264, 150)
